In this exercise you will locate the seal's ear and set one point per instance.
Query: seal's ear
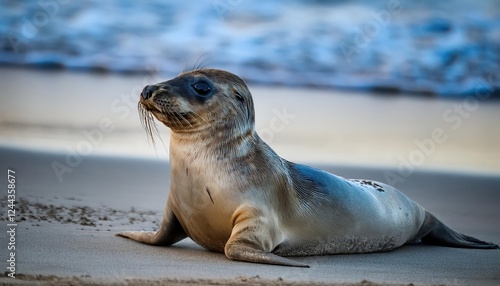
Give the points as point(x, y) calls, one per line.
point(239, 96)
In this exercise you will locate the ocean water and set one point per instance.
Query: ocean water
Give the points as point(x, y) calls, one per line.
point(445, 48)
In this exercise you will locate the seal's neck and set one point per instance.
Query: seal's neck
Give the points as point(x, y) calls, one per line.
point(220, 144)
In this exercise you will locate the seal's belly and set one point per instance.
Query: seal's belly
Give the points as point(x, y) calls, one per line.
point(338, 245)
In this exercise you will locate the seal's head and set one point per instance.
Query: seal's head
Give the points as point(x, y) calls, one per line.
point(200, 101)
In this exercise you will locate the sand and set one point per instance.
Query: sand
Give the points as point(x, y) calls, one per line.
point(67, 221)
point(66, 229)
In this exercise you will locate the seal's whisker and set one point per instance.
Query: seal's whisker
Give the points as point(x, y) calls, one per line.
point(177, 117)
point(198, 65)
point(180, 124)
point(200, 117)
point(150, 128)
point(182, 116)
point(144, 120)
point(175, 120)
point(149, 125)
point(169, 117)
point(184, 68)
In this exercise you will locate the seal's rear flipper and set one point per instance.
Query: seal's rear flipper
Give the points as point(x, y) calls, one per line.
point(435, 232)
point(242, 252)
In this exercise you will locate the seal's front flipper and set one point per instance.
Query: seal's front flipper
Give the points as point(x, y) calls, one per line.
point(253, 238)
point(242, 252)
point(436, 233)
point(169, 233)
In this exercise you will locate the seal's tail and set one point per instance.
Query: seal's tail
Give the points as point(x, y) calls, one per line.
point(437, 233)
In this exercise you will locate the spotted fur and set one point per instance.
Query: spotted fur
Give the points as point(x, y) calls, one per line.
point(369, 183)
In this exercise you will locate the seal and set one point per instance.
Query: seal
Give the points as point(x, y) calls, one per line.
point(231, 193)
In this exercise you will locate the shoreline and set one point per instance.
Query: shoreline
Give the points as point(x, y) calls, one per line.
point(62, 110)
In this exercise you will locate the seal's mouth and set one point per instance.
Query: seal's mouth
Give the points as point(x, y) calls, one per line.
point(169, 114)
point(148, 104)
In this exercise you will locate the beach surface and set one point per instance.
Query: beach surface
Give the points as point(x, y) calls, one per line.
point(66, 229)
point(112, 180)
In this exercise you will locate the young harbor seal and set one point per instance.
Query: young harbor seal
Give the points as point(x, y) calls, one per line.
point(231, 193)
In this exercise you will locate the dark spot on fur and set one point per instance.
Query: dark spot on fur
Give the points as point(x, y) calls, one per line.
point(187, 171)
point(210, 195)
point(369, 183)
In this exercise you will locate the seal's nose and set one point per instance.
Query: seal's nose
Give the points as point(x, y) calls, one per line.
point(148, 91)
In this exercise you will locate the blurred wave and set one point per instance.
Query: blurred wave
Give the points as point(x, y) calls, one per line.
point(447, 48)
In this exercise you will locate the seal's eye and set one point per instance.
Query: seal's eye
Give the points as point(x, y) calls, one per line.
point(202, 88)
